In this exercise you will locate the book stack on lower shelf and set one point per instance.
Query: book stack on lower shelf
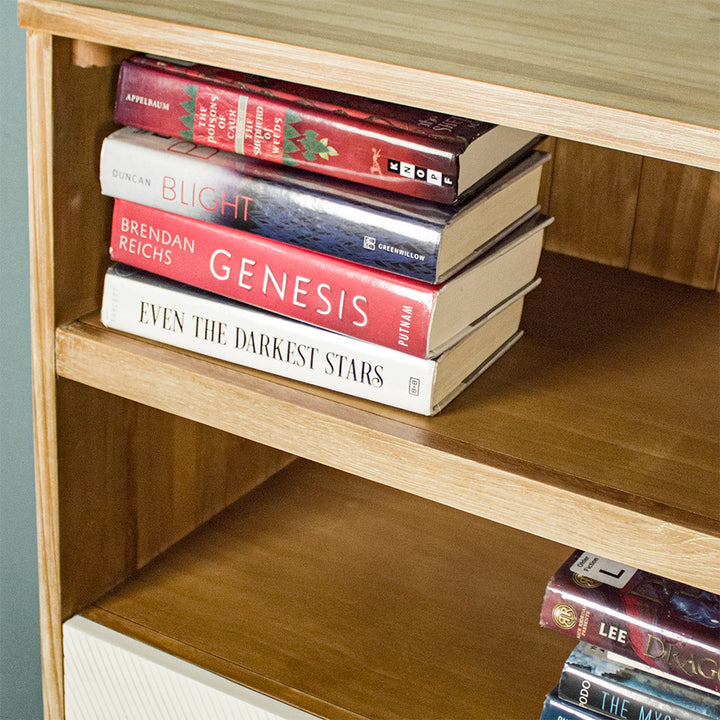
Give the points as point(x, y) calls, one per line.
point(365, 247)
point(649, 647)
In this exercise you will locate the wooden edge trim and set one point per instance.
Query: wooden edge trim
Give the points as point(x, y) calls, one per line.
point(571, 119)
point(40, 149)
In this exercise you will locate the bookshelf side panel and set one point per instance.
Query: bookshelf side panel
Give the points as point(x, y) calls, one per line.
point(83, 98)
point(40, 148)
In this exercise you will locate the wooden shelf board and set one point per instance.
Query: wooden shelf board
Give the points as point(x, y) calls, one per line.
point(352, 600)
point(613, 387)
point(634, 77)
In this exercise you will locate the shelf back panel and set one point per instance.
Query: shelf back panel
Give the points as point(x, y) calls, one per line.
point(134, 480)
point(83, 102)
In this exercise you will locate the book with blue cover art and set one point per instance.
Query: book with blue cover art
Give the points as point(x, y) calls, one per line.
point(610, 687)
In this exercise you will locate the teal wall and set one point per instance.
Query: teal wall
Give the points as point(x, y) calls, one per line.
point(20, 691)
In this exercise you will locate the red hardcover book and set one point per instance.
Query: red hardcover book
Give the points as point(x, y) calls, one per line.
point(645, 617)
point(401, 313)
point(395, 147)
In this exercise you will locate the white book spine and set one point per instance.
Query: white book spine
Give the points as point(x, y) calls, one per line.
point(136, 166)
point(159, 310)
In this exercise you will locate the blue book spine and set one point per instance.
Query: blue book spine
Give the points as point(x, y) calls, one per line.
point(615, 690)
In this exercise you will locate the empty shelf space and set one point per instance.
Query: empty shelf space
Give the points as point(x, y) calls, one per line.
point(350, 599)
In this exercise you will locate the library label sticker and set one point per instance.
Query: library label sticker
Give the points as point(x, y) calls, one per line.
point(604, 570)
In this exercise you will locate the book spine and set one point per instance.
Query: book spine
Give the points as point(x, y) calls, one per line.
point(572, 609)
point(613, 699)
point(324, 291)
point(183, 317)
point(280, 128)
point(197, 182)
point(556, 708)
point(661, 675)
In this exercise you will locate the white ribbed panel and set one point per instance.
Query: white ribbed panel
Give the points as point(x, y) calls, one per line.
point(109, 676)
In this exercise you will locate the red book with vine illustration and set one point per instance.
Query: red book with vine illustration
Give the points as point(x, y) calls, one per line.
point(403, 149)
point(661, 623)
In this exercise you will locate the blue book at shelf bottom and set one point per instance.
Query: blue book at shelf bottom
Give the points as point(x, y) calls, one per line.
point(558, 709)
point(604, 684)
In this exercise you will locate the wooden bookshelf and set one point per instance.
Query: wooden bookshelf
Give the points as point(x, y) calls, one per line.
point(426, 541)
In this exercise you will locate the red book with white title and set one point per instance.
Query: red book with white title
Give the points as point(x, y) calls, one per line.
point(407, 150)
point(400, 313)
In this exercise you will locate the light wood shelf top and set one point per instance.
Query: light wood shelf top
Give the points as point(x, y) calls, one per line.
point(352, 600)
point(640, 76)
point(600, 429)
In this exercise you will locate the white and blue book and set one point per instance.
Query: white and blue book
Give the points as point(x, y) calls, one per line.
point(614, 689)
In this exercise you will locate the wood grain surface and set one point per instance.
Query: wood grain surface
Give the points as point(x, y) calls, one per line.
point(637, 76)
point(354, 600)
point(613, 386)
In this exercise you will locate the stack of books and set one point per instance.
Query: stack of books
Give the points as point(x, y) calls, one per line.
point(370, 248)
point(649, 647)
